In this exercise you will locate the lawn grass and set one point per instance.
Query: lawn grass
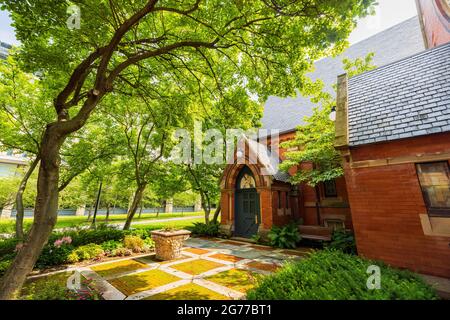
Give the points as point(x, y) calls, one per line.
point(8, 225)
point(189, 291)
point(142, 281)
point(196, 267)
point(236, 279)
point(173, 224)
point(119, 267)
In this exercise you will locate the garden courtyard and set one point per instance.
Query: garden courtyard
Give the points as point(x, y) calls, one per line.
point(208, 269)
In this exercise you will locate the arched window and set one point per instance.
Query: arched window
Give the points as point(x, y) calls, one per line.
point(246, 180)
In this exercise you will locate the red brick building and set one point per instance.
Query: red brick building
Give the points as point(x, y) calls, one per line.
point(393, 128)
point(267, 200)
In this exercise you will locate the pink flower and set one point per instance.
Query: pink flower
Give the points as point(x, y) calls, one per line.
point(64, 240)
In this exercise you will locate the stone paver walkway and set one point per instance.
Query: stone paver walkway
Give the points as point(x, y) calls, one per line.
point(208, 270)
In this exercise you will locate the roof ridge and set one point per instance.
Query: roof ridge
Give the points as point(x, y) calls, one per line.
point(426, 51)
point(385, 30)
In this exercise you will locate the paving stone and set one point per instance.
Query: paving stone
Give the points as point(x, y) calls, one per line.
point(189, 291)
point(196, 267)
point(142, 281)
point(236, 279)
point(116, 268)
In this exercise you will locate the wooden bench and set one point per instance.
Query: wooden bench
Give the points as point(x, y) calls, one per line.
point(316, 232)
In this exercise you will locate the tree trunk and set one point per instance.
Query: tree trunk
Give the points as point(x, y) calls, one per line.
point(317, 192)
point(134, 206)
point(97, 203)
point(89, 213)
point(140, 211)
point(206, 205)
point(216, 213)
point(19, 198)
point(107, 212)
point(45, 215)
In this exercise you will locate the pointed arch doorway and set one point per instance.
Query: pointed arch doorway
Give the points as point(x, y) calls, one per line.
point(247, 208)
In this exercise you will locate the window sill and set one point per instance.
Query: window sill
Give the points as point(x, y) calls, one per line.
point(435, 226)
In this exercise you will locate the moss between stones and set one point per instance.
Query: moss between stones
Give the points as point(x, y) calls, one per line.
point(234, 243)
point(197, 267)
point(119, 267)
point(264, 248)
point(236, 279)
point(189, 291)
point(152, 259)
point(271, 267)
point(142, 281)
point(226, 257)
point(196, 250)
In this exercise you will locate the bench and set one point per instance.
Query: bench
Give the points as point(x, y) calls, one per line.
point(316, 232)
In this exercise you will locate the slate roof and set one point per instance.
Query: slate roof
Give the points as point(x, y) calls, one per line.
point(400, 41)
point(405, 99)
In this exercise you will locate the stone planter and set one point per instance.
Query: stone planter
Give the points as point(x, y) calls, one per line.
point(168, 244)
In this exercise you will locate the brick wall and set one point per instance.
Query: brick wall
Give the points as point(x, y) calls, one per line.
point(386, 202)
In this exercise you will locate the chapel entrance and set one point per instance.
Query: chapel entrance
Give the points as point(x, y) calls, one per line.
point(247, 217)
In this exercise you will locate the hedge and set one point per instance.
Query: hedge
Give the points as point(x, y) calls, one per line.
point(334, 275)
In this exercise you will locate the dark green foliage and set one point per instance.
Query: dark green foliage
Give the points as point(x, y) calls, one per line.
point(142, 233)
point(285, 237)
point(344, 241)
point(202, 229)
point(4, 265)
point(83, 237)
point(111, 245)
point(334, 275)
point(7, 246)
point(53, 256)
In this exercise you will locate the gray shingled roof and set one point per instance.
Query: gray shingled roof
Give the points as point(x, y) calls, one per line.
point(405, 99)
point(400, 41)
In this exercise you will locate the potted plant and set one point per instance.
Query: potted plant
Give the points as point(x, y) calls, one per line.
point(169, 242)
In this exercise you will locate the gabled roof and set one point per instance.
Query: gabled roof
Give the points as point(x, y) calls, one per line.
point(268, 159)
point(405, 99)
point(400, 41)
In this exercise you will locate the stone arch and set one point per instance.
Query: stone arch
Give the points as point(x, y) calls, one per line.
point(232, 171)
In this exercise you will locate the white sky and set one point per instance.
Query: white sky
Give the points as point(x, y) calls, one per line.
point(389, 13)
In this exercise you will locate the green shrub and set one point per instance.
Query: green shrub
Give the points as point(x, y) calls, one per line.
point(344, 241)
point(89, 251)
point(121, 252)
point(111, 245)
point(285, 237)
point(141, 233)
point(149, 243)
point(8, 246)
point(53, 256)
point(134, 243)
point(202, 229)
point(334, 275)
point(84, 237)
point(4, 265)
